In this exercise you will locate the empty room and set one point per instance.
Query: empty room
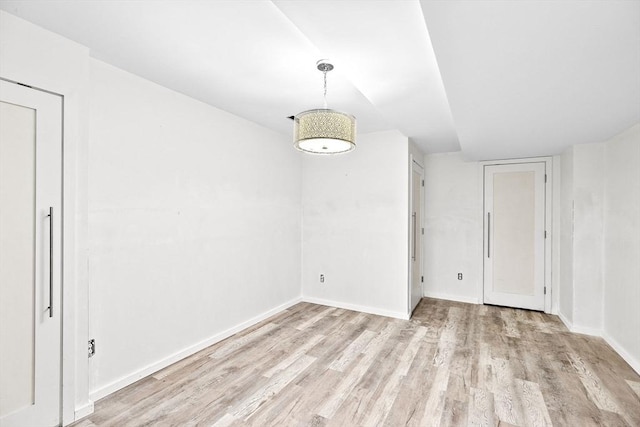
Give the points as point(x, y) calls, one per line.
point(319, 213)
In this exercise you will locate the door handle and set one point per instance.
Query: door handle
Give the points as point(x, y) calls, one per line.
point(413, 254)
point(488, 234)
point(50, 308)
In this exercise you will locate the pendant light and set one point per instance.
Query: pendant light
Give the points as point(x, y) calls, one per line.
point(324, 131)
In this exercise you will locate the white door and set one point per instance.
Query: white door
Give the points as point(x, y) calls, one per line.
point(417, 175)
point(514, 234)
point(30, 248)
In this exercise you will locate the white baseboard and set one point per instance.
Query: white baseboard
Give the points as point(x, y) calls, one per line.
point(355, 307)
point(617, 347)
point(631, 360)
point(578, 329)
point(566, 321)
point(163, 363)
point(586, 330)
point(449, 297)
point(83, 410)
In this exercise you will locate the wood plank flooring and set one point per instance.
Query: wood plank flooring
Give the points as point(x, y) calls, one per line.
point(451, 364)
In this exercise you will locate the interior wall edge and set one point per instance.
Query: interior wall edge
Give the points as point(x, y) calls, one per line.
point(134, 376)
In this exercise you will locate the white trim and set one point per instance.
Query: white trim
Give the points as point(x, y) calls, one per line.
point(356, 307)
point(179, 355)
point(548, 227)
point(555, 234)
point(449, 297)
point(577, 329)
point(413, 160)
point(585, 330)
point(83, 410)
point(632, 361)
point(566, 321)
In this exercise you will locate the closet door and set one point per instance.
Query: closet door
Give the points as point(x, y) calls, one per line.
point(514, 254)
point(30, 256)
point(415, 239)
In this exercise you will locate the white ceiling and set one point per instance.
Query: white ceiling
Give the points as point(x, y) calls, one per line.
point(523, 78)
point(529, 78)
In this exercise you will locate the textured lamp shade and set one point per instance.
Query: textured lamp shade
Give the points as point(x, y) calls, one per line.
point(324, 131)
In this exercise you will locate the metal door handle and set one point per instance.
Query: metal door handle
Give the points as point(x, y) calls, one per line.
point(50, 308)
point(488, 234)
point(413, 254)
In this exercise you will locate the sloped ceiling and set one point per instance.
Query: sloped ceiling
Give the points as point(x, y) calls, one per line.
point(495, 79)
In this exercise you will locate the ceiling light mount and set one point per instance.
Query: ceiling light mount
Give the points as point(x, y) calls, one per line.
point(322, 130)
point(324, 66)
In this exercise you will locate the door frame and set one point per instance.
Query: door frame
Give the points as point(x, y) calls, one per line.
point(412, 162)
point(548, 223)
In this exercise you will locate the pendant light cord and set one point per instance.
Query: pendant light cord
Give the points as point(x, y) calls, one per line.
point(325, 67)
point(325, 88)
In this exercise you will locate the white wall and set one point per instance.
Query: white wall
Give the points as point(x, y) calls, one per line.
point(198, 212)
point(194, 224)
point(355, 226)
point(565, 288)
point(582, 236)
point(600, 243)
point(622, 245)
point(453, 228)
point(195, 218)
point(588, 199)
point(210, 189)
point(41, 59)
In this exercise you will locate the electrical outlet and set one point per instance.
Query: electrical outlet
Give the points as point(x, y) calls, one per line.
point(459, 276)
point(322, 278)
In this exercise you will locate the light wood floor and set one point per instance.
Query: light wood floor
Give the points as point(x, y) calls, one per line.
point(452, 364)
